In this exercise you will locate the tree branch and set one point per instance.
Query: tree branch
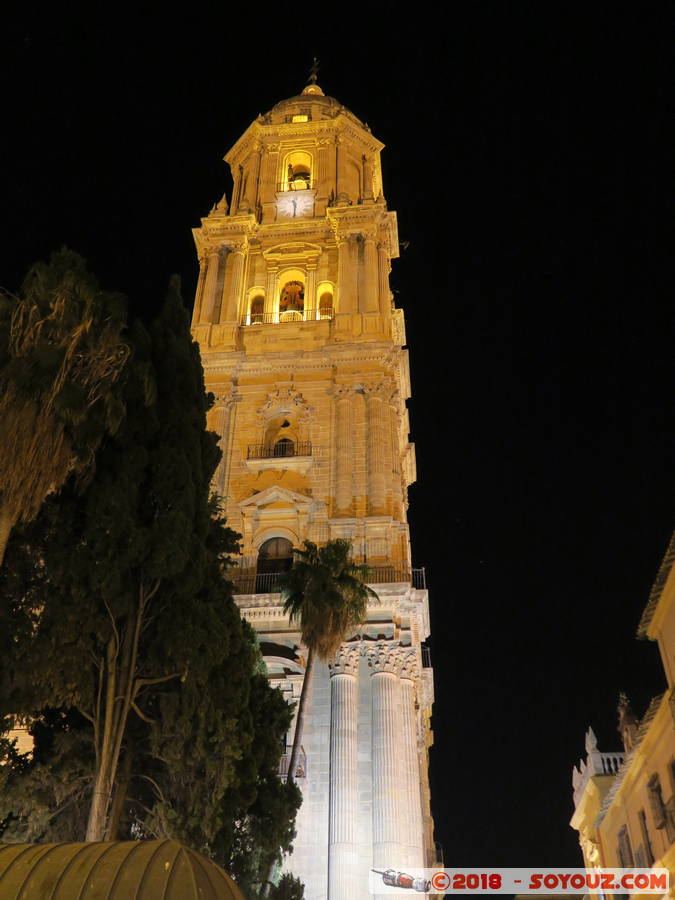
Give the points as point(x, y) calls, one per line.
point(142, 715)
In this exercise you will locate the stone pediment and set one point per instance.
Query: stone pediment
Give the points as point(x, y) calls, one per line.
point(275, 497)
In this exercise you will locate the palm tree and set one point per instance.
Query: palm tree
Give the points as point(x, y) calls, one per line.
point(61, 354)
point(326, 593)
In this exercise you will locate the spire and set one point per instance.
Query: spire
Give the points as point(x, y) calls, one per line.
point(312, 87)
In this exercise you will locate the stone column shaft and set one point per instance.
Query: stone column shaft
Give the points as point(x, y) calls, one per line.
point(210, 285)
point(377, 439)
point(199, 293)
point(344, 447)
point(370, 279)
point(389, 791)
point(345, 297)
point(383, 277)
point(410, 769)
point(396, 488)
point(311, 302)
point(342, 828)
point(232, 293)
point(220, 423)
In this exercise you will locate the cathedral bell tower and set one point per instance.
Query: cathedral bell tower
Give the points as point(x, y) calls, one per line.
point(304, 351)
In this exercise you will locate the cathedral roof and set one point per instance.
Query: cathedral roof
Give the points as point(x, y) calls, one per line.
point(313, 97)
point(154, 870)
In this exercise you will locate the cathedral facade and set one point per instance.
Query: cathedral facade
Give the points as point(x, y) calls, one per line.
point(304, 351)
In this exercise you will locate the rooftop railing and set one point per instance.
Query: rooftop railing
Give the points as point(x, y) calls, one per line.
point(290, 316)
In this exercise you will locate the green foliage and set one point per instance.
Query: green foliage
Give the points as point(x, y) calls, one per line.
point(61, 357)
point(326, 592)
point(123, 646)
point(289, 888)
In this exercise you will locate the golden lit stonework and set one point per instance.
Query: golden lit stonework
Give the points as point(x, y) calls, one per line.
point(304, 352)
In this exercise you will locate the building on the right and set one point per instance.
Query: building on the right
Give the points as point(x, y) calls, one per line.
point(624, 803)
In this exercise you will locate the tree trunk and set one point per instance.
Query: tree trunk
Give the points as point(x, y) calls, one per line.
point(121, 788)
point(6, 525)
point(300, 720)
point(295, 751)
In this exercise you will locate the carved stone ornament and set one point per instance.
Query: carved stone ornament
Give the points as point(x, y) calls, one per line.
point(383, 390)
point(409, 665)
point(285, 401)
point(385, 658)
point(346, 661)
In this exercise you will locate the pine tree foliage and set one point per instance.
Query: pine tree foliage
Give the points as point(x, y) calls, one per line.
point(124, 647)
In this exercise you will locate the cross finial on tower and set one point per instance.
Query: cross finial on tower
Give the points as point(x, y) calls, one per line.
point(314, 71)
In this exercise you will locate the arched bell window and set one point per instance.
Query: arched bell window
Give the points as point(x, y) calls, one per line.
point(275, 556)
point(326, 305)
point(298, 171)
point(292, 301)
point(257, 310)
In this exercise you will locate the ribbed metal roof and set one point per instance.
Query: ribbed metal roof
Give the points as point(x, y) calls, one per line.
point(116, 870)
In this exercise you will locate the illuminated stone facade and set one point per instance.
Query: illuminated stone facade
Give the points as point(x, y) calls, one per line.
point(304, 351)
point(625, 802)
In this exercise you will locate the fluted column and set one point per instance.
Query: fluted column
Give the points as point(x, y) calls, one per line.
point(370, 279)
point(383, 277)
point(396, 489)
point(342, 823)
point(219, 421)
point(271, 293)
point(199, 293)
point(410, 760)
point(345, 297)
point(389, 790)
point(210, 286)
point(344, 450)
point(310, 292)
point(233, 286)
point(379, 440)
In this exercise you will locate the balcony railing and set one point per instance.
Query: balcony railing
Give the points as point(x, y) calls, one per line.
point(300, 766)
point(268, 582)
point(289, 316)
point(285, 449)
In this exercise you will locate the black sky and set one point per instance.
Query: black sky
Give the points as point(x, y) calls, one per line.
point(529, 160)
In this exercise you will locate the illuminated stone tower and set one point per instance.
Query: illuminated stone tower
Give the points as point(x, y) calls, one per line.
point(304, 351)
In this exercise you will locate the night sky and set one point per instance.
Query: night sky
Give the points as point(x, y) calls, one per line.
point(528, 157)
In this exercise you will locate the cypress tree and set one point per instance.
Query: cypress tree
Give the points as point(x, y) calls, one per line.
point(126, 650)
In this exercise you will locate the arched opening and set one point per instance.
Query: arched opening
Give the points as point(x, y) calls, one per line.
point(257, 310)
point(292, 301)
point(298, 171)
point(275, 557)
point(326, 305)
point(284, 447)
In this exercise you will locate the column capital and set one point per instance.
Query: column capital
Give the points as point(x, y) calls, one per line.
point(342, 391)
point(346, 661)
point(384, 657)
point(383, 390)
point(409, 665)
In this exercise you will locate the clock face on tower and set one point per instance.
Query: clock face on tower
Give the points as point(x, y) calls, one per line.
point(295, 204)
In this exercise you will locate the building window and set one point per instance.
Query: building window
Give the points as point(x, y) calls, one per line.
point(297, 172)
point(326, 305)
point(274, 557)
point(624, 849)
point(646, 842)
point(656, 801)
